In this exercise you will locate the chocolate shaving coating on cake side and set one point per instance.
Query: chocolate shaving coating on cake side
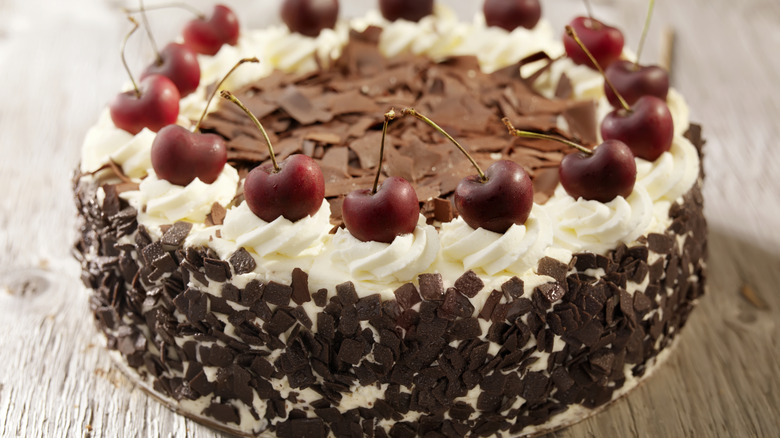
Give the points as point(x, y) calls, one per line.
point(336, 115)
point(425, 345)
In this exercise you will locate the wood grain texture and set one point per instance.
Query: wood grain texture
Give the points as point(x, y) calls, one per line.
point(59, 66)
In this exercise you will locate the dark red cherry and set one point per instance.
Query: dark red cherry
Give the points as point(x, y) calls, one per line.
point(310, 17)
point(179, 64)
point(156, 106)
point(609, 172)
point(390, 212)
point(295, 191)
point(410, 10)
point(604, 42)
point(206, 36)
point(505, 199)
point(179, 156)
point(511, 14)
point(648, 129)
point(633, 81)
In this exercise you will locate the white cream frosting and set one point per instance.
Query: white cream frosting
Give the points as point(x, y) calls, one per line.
point(401, 260)
point(672, 174)
point(160, 202)
point(486, 252)
point(280, 237)
point(582, 225)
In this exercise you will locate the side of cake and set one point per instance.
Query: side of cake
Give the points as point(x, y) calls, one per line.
point(296, 328)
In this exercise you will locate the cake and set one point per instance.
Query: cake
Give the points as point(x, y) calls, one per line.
point(298, 328)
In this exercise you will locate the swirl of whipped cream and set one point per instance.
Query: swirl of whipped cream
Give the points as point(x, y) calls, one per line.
point(579, 224)
point(159, 199)
point(105, 141)
point(495, 48)
point(400, 260)
point(515, 251)
point(280, 236)
point(672, 174)
point(437, 36)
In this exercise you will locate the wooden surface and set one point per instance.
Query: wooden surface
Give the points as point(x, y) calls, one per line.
point(59, 66)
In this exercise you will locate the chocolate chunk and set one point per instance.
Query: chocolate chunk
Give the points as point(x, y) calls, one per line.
point(513, 288)
point(465, 329)
point(300, 287)
point(302, 427)
point(585, 261)
point(469, 284)
point(431, 287)
point(456, 304)
point(174, 237)
point(660, 243)
point(252, 293)
point(346, 293)
point(641, 303)
point(552, 292)
point(553, 268)
point(300, 314)
point(216, 216)
point(193, 304)
point(320, 297)
point(490, 304)
point(369, 307)
point(242, 262)
point(277, 294)
point(349, 323)
point(223, 413)
point(407, 296)
point(535, 387)
point(351, 351)
point(217, 270)
point(153, 252)
point(280, 322)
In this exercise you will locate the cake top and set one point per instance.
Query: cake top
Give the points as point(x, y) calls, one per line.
point(324, 97)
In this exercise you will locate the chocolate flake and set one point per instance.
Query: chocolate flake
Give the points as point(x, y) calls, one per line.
point(431, 287)
point(242, 262)
point(469, 284)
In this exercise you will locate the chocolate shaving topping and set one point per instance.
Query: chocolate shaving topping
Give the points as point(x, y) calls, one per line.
point(242, 262)
point(339, 109)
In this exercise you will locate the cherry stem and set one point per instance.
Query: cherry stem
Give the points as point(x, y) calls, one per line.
point(390, 115)
point(539, 136)
point(413, 112)
point(229, 96)
point(219, 84)
point(179, 5)
point(124, 60)
point(572, 33)
point(644, 32)
point(157, 57)
point(589, 9)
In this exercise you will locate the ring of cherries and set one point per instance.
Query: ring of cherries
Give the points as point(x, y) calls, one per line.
point(496, 199)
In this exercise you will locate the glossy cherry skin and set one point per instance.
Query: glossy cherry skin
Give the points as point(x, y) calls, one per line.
point(179, 64)
point(179, 155)
point(390, 212)
point(310, 17)
point(410, 10)
point(648, 129)
point(505, 199)
point(294, 192)
point(634, 81)
point(606, 174)
point(511, 14)
point(206, 36)
point(157, 106)
point(604, 42)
